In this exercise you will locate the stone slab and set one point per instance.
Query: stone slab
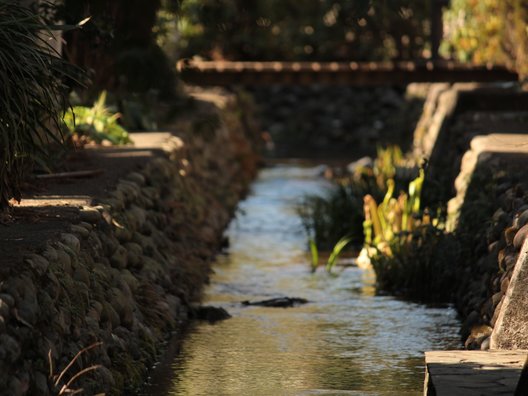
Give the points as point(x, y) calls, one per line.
point(472, 373)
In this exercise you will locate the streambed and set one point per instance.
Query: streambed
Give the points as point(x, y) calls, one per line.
point(346, 341)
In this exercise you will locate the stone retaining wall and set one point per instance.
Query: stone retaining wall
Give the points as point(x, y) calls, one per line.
point(474, 137)
point(488, 215)
point(126, 271)
point(452, 117)
point(329, 121)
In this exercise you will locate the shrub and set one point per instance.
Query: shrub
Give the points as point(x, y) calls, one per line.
point(96, 123)
point(32, 96)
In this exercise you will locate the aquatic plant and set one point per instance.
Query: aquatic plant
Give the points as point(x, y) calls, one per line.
point(334, 254)
point(336, 251)
point(314, 254)
point(327, 218)
point(408, 248)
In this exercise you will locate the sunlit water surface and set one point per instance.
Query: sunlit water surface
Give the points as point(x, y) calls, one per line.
point(346, 341)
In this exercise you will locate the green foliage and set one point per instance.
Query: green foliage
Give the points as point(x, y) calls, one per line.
point(488, 31)
point(96, 123)
point(474, 30)
point(388, 159)
point(394, 215)
point(340, 212)
point(336, 252)
point(304, 29)
point(408, 248)
point(32, 95)
point(118, 45)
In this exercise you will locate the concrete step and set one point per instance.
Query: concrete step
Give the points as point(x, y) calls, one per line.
point(474, 373)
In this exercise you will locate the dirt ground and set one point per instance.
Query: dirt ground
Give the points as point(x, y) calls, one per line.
point(49, 206)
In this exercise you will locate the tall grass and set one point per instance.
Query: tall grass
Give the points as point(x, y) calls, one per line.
point(32, 95)
point(326, 219)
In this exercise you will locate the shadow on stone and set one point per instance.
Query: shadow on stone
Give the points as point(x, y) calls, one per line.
point(209, 313)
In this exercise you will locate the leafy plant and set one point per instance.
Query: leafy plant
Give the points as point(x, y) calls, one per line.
point(336, 252)
point(326, 219)
point(488, 31)
point(407, 246)
point(96, 123)
point(314, 254)
point(393, 215)
point(32, 95)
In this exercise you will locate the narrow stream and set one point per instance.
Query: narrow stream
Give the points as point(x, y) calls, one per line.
point(346, 341)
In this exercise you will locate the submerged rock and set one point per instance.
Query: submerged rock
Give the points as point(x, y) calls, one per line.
point(280, 302)
point(209, 313)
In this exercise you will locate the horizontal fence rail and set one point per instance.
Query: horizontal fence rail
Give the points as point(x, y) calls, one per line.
point(209, 73)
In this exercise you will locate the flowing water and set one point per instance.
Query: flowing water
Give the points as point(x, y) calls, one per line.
point(346, 341)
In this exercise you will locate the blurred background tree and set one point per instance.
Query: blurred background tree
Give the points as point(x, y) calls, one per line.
point(305, 29)
point(118, 45)
point(494, 31)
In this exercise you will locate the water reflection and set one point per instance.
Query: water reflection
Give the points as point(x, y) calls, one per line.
point(346, 341)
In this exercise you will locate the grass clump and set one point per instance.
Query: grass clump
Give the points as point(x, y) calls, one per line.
point(32, 95)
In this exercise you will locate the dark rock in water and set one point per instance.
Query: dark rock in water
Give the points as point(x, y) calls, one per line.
point(209, 313)
point(280, 302)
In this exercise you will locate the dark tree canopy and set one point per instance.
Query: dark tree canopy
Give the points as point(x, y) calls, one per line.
point(488, 31)
point(305, 29)
point(118, 44)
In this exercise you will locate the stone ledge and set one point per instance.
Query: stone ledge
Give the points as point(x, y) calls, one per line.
point(473, 373)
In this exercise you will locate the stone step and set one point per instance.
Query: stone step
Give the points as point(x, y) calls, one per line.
point(474, 373)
